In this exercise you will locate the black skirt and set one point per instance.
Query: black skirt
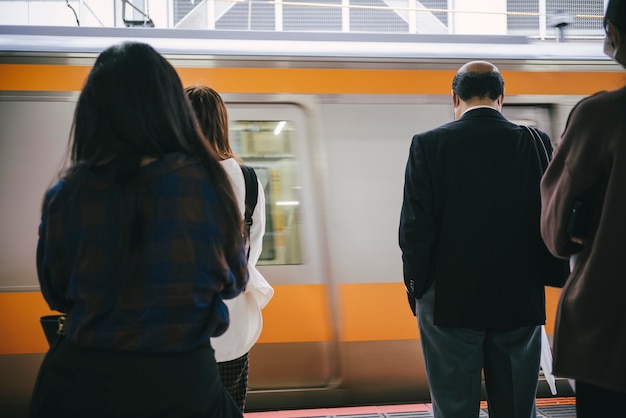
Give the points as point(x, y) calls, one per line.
point(79, 382)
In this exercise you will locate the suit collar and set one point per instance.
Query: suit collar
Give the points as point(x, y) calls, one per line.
point(481, 112)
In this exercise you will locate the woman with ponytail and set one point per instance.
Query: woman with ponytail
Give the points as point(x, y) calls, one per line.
point(232, 348)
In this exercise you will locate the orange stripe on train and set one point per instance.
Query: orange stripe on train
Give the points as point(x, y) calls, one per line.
point(297, 313)
point(35, 77)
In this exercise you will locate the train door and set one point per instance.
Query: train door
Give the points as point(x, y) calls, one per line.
point(297, 348)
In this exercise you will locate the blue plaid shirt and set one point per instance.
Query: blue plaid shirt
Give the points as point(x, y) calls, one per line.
point(175, 302)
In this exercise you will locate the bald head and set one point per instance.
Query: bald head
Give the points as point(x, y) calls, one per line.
point(477, 83)
point(478, 67)
point(478, 80)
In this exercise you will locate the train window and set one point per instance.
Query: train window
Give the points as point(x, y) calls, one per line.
point(268, 146)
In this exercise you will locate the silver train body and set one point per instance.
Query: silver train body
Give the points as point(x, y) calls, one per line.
point(339, 330)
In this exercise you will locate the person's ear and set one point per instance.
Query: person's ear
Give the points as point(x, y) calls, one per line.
point(501, 99)
point(617, 36)
point(612, 42)
point(613, 34)
point(455, 100)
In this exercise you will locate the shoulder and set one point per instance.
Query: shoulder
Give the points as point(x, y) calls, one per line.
point(55, 192)
point(175, 165)
point(441, 131)
point(600, 109)
point(526, 129)
point(169, 163)
point(230, 165)
point(58, 186)
point(179, 176)
point(433, 139)
point(599, 103)
point(606, 96)
point(233, 171)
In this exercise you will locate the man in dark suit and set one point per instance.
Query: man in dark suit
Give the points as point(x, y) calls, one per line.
point(472, 252)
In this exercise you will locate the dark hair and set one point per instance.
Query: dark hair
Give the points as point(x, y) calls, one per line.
point(616, 14)
point(468, 84)
point(132, 107)
point(212, 117)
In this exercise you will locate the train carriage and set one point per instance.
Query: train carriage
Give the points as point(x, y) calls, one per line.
point(326, 120)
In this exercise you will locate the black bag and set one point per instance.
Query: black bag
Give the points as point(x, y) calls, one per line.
point(52, 327)
point(556, 270)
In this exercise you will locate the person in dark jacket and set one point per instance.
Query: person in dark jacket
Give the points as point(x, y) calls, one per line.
point(584, 215)
point(472, 252)
point(139, 243)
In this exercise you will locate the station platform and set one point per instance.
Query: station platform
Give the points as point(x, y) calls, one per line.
point(564, 407)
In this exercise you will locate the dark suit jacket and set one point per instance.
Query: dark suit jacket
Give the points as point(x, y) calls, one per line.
point(470, 222)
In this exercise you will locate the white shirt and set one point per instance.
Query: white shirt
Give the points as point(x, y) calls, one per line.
point(478, 107)
point(246, 321)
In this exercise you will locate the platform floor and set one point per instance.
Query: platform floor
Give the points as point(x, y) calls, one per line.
point(546, 408)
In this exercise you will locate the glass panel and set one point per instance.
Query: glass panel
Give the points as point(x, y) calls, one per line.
point(437, 5)
point(314, 16)
point(376, 18)
point(246, 15)
point(524, 17)
point(267, 146)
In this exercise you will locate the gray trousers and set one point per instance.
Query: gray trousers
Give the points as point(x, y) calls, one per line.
point(456, 357)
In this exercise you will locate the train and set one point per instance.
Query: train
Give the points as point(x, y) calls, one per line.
point(327, 120)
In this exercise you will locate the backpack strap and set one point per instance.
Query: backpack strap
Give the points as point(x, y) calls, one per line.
point(252, 193)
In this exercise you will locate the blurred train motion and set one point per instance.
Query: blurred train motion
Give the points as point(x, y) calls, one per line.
point(327, 121)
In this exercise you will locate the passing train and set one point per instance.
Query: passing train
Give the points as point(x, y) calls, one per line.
point(327, 120)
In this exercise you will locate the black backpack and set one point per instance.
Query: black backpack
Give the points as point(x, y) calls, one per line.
point(252, 193)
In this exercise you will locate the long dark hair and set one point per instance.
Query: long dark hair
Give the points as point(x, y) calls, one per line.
point(212, 117)
point(133, 107)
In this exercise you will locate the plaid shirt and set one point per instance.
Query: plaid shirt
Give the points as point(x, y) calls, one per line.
point(174, 302)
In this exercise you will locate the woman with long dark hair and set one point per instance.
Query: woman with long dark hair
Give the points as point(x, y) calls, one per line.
point(139, 243)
